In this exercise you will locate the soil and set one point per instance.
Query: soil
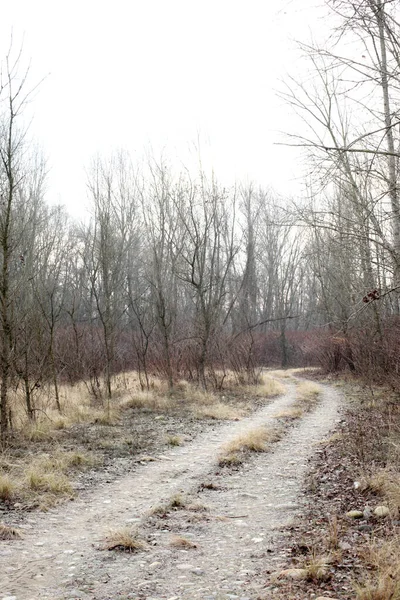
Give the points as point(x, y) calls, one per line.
point(235, 523)
point(361, 445)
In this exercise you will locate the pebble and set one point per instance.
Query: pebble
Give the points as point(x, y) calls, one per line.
point(9, 598)
point(365, 528)
point(381, 511)
point(355, 514)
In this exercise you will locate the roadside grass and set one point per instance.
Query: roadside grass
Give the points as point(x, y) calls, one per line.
point(37, 468)
point(8, 488)
point(80, 407)
point(178, 541)
point(386, 484)
point(361, 463)
point(258, 439)
point(307, 395)
point(218, 411)
point(123, 539)
point(383, 563)
point(43, 480)
point(9, 533)
point(316, 567)
point(268, 387)
point(174, 440)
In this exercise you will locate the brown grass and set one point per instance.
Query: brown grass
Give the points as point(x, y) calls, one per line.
point(9, 533)
point(290, 413)
point(7, 488)
point(317, 568)
point(267, 388)
point(124, 540)
point(385, 483)
point(181, 542)
point(254, 440)
point(258, 439)
point(384, 581)
point(44, 480)
point(53, 483)
point(307, 394)
point(217, 411)
point(174, 440)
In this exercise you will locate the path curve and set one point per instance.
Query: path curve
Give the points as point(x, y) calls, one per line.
point(59, 559)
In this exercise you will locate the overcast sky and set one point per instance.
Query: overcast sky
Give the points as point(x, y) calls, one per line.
point(162, 74)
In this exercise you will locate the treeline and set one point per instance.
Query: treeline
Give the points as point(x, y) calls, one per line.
point(177, 275)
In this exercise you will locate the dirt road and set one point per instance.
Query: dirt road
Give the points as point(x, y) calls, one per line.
point(59, 557)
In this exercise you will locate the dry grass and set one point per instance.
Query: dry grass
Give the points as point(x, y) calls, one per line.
point(384, 581)
point(217, 411)
point(174, 440)
point(307, 393)
point(254, 440)
point(333, 533)
point(44, 480)
point(176, 501)
point(281, 373)
point(385, 483)
point(267, 388)
point(317, 568)
point(124, 540)
point(9, 533)
point(149, 400)
point(258, 439)
point(181, 542)
point(53, 483)
point(230, 460)
point(7, 488)
point(290, 413)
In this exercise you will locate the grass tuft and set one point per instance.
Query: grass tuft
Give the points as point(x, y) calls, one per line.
point(174, 440)
point(254, 440)
point(7, 488)
point(181, 542)
point(9, 533)
point(217, 411)
point(124, 540)
point(384, 581)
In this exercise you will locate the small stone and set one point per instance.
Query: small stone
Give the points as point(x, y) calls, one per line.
point(154, 564)
point(9, 598)
point(355, 514)
point(381, 511)
point(364, 528)
point(185, 567)
point(198, 572)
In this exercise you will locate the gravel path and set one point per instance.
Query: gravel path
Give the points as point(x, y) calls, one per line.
point(59, 557)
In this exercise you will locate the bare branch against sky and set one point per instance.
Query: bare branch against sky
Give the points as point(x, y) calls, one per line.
point(162, 74)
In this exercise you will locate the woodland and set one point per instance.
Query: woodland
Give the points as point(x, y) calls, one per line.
point(177, 275)
point(181, 301)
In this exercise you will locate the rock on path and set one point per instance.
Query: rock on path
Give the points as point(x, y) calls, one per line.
point(59, 559)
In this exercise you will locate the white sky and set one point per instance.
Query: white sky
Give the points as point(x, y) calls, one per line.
point(161, 73)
